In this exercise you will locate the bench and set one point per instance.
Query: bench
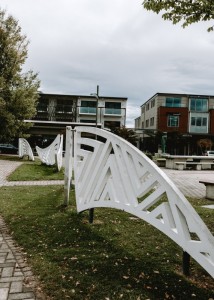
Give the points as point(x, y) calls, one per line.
point(209, 188)
point(198, 165)
point(161, 162)
point(181, 164)
point(208, 164)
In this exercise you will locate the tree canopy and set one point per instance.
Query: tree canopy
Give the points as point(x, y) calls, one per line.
point(186, 11)
point(18, 90)
point(205, 144)
point(127, 134)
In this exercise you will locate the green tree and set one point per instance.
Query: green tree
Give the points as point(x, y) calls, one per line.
point(18, 90)
point(127, 134)
point(204, 144)
point(187, 11)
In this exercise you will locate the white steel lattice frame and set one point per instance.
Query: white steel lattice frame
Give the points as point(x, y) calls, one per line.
point(110, 172)
point(25, 149)
point(59, 153)
point(68, 163)
point(53, 153)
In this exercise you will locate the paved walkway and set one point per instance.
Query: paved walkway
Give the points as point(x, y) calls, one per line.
point(16, 278)
point(7, 167)
point(188, 181)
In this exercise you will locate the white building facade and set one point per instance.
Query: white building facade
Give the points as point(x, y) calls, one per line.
point(109, 112)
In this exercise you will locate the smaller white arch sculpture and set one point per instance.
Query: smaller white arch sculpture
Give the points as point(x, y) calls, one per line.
point(68, 163)
point(53, 153)
point(110, 172)
point(59, 154)
point(25, 149)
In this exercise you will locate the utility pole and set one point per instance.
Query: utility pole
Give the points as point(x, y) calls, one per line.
point(97, 104)
point(91, 210)
point(96, 95)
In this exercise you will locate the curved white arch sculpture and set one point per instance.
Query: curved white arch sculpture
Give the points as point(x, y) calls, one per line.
point(110, 172)
point(25, 149)
point(59, 154)
point(68, 163)
point(53, 153)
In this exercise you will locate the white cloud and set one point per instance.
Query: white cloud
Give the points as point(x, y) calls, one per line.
point(77, 44)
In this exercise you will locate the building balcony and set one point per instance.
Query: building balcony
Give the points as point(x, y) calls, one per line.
point(113, 111)
point(87, 110)
point(41, 116)
point(181, 105)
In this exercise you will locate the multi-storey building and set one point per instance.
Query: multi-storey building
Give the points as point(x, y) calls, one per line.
point(110, 112)
point(55, 112)
point(190, 116)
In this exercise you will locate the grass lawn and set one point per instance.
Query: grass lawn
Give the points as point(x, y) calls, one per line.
point(33, 170)
point(117, 257)
point(10, 157)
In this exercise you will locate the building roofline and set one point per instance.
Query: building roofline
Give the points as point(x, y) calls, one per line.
point(84, 96)
point(62, 123)
point(176, 94)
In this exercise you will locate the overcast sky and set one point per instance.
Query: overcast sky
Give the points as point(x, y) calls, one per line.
point(76, 45)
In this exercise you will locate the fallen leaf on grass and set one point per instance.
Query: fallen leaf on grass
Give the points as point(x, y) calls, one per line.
point(73, 258)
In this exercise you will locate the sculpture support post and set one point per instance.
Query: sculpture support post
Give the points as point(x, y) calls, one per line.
point(186, 263)
point(91, 215)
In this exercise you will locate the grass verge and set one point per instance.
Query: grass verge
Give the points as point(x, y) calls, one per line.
point(117, 257)
point(11, 157)
point(33, 170)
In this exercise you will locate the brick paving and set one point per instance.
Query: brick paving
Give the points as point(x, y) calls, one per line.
point(16, 278)
point(7, 167)
point(188, 181)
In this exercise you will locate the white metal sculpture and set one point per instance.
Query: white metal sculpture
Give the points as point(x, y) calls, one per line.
point(68, 162)
point(25, 149)
point(110, 172)
point(53, 153)
point(59, 154)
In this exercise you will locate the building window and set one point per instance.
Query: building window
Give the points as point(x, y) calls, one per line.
point(199, 124)
point(152, 121)
point(111, 124)
point(87, 121)
point(42, 106)
point(112, 108)
point(173, 102)
point(147, 106)
point(198, 105)
point(198, 121)
point(142, 124)
point(88, 107)
point(147, 123)
point(143, 110)
point(63, 107)
point(172, 121)
point(153, 103)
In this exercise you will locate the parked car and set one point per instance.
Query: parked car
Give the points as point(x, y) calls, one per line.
point(210, 153)
point(8, 149)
